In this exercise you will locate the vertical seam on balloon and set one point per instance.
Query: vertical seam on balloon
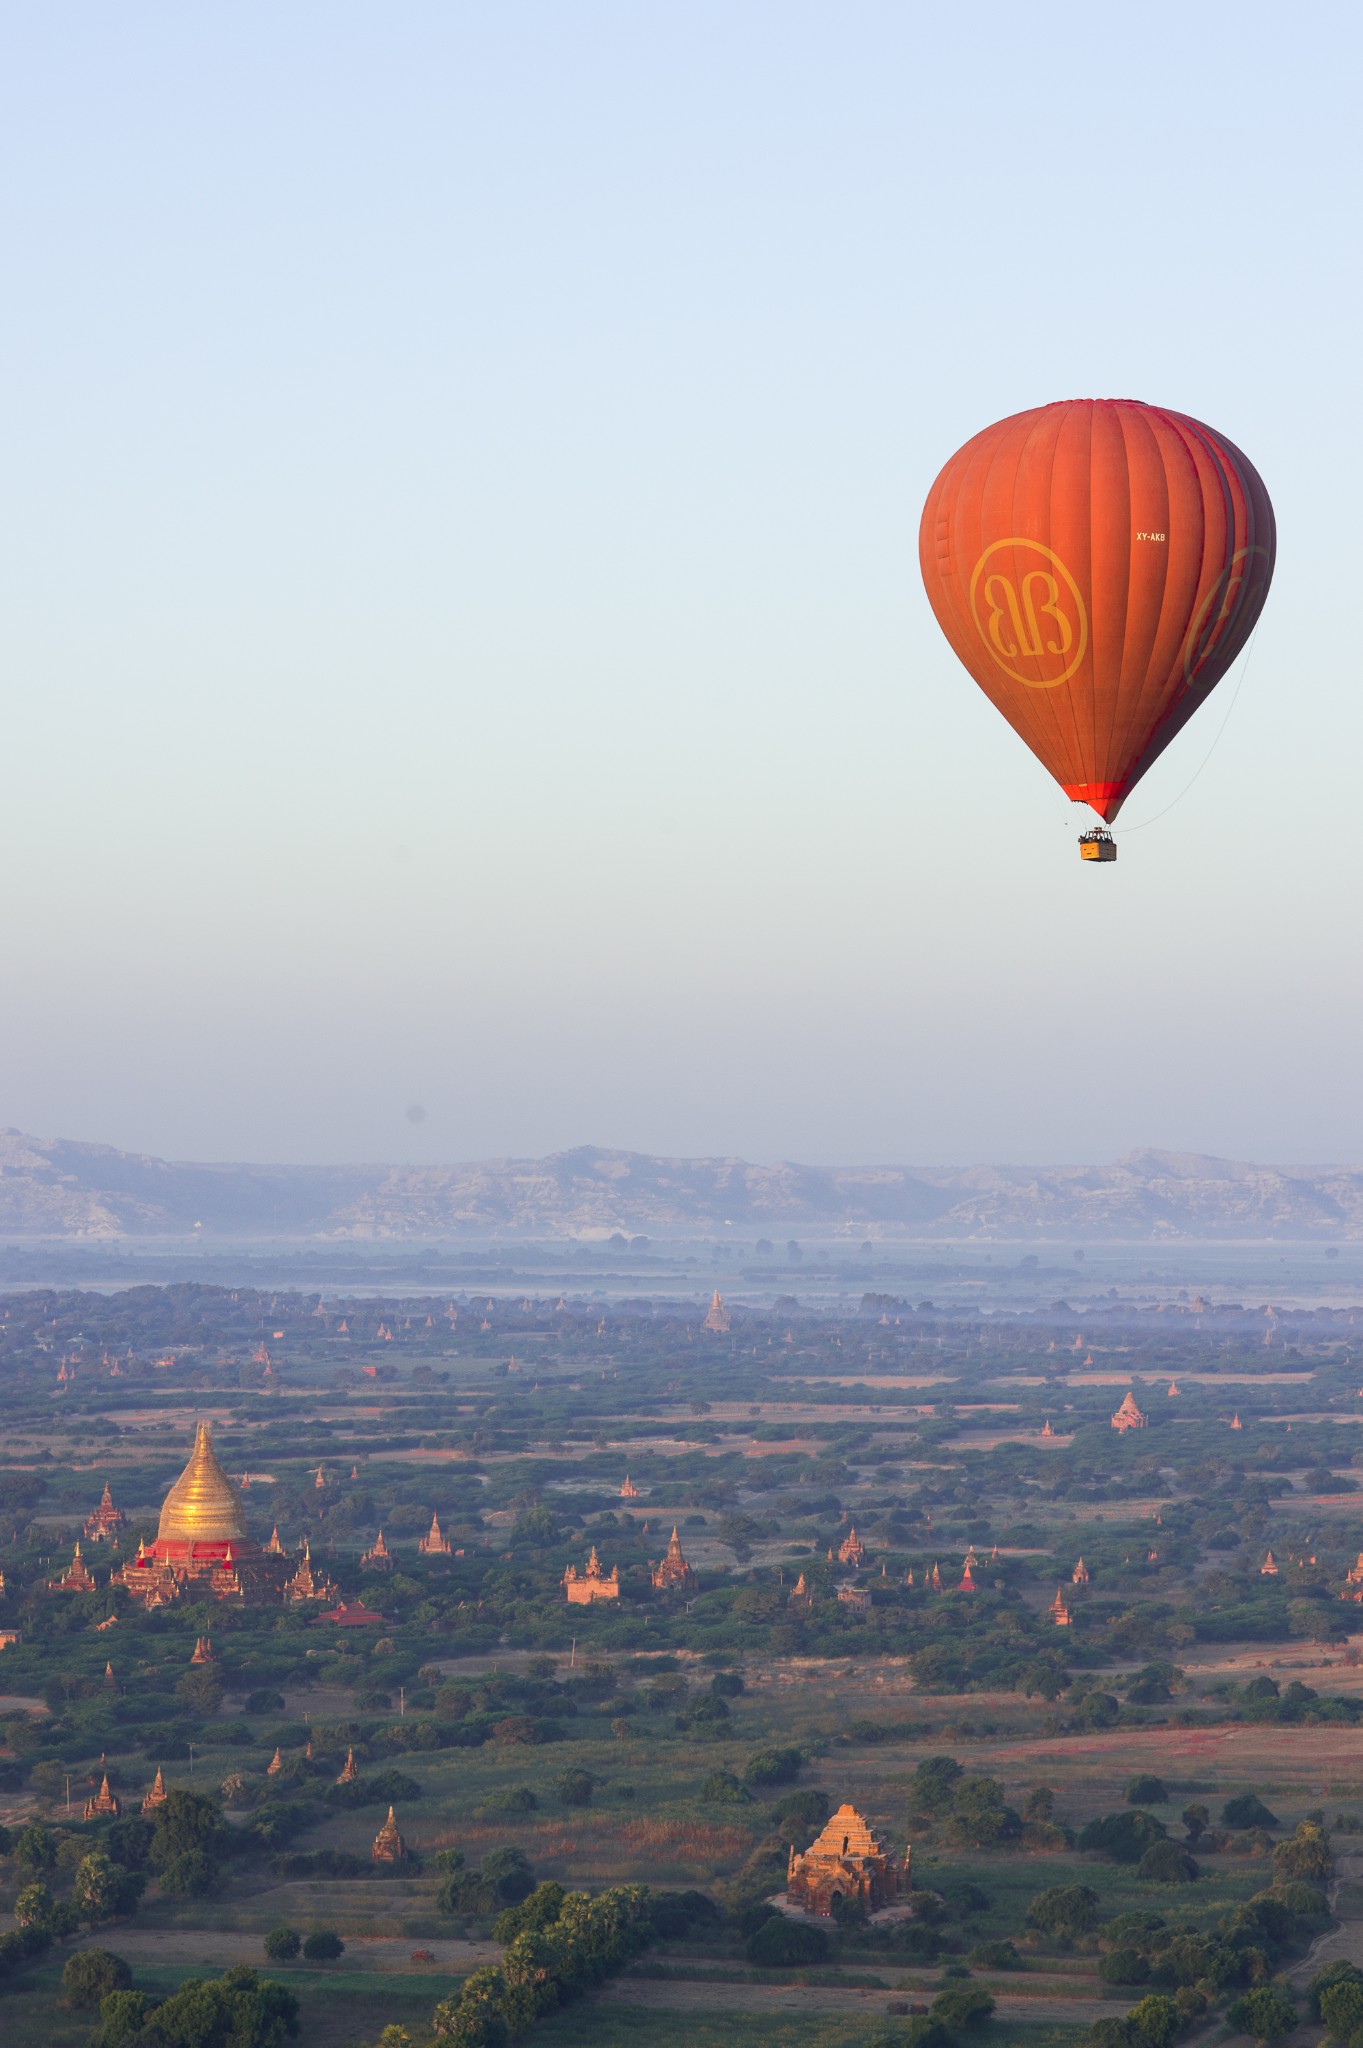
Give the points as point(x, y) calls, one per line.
point(1134, 715)
point(1089, 768)
point(1185, 702)
point(1048, 706)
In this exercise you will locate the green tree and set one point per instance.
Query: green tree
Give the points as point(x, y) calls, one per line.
point(1268, 2013)
point(1341, 2007)
point(282, 1944)
point(1247, 1811)
point(91, 1974)
point(780, 1944)
point(1146, 1790)
point(323, 1946)
point(979, 1816)
point(121, 2014)
point(102, 1890)
point(1153, 2022)
point(1166, 1863)
point(35, 1848)
point(540, 1910)
point(933, 1784)
point(187, 1822)
point(475, 2019)
point(1306, 1856)
point(962, 2008)
point(1064, 1910)
point(1197, 1819)
point(1339, 1972)
point(575, 1788)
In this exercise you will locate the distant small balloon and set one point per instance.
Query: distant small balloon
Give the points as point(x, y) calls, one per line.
point(416, 1113)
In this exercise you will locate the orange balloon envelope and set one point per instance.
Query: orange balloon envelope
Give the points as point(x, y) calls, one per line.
point(1097, 565)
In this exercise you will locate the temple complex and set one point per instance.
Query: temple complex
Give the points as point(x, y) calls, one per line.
point(1128, 1416)
point(157, 1795)
point(350, 1770)
point(852, 1550)
point(103, 1802)
point(202, 1543)
point(353, 1614)
point(801, 1598)
point(1059, 1612)
point(718, 1318)
point(104, 1524)
point(307, 1584)
point(673, 1573)
point(1080, 1575)
point(77, 1578)
point(846, 1863)
point(434, 1543)
point(582, 1588)
point(389, 1846)
point(379, 1559)
point(629, 1491)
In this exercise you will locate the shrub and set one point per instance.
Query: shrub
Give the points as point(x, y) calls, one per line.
point(1064, 1909)
point(1124, 1837)
point(282, 1944)
point(783, 1944)
point(1267, 2013)
point(773, 1766)
point(91, 1974)
point(726, 1685)
point(1247, 1811)
point(575, 1788)
point(1146, 1790)
point(1166, 1863)
point(995, 1955)
point(961, 2008)
point(723, 1786)
point(513, 1800)
point(1124, 1966)
point(263, 1701)
point(323, 1946)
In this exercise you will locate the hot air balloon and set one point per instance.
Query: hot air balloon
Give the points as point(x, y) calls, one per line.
point(1097, 565)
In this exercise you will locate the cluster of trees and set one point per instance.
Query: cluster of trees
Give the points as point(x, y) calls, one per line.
point(236, 2010)
point(1187, 1970)
point(558, 1945)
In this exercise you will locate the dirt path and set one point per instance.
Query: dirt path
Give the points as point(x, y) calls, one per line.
point(678, 1995)
point(211, 1948)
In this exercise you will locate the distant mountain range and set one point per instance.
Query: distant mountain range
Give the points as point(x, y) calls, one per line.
point(60, 1189)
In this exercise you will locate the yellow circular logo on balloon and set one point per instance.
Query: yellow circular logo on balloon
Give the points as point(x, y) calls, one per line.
point(1027, 610)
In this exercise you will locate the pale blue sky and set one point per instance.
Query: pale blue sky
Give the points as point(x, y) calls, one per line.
point(463, 644)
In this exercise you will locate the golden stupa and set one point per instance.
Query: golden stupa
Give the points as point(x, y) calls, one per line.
point(203, 1506)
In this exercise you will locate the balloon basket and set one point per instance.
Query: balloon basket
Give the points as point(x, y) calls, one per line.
point(1097, 845)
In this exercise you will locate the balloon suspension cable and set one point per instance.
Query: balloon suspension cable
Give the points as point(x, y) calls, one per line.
point(1220, 733)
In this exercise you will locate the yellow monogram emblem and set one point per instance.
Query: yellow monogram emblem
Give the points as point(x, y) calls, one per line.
point(1027, 609)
